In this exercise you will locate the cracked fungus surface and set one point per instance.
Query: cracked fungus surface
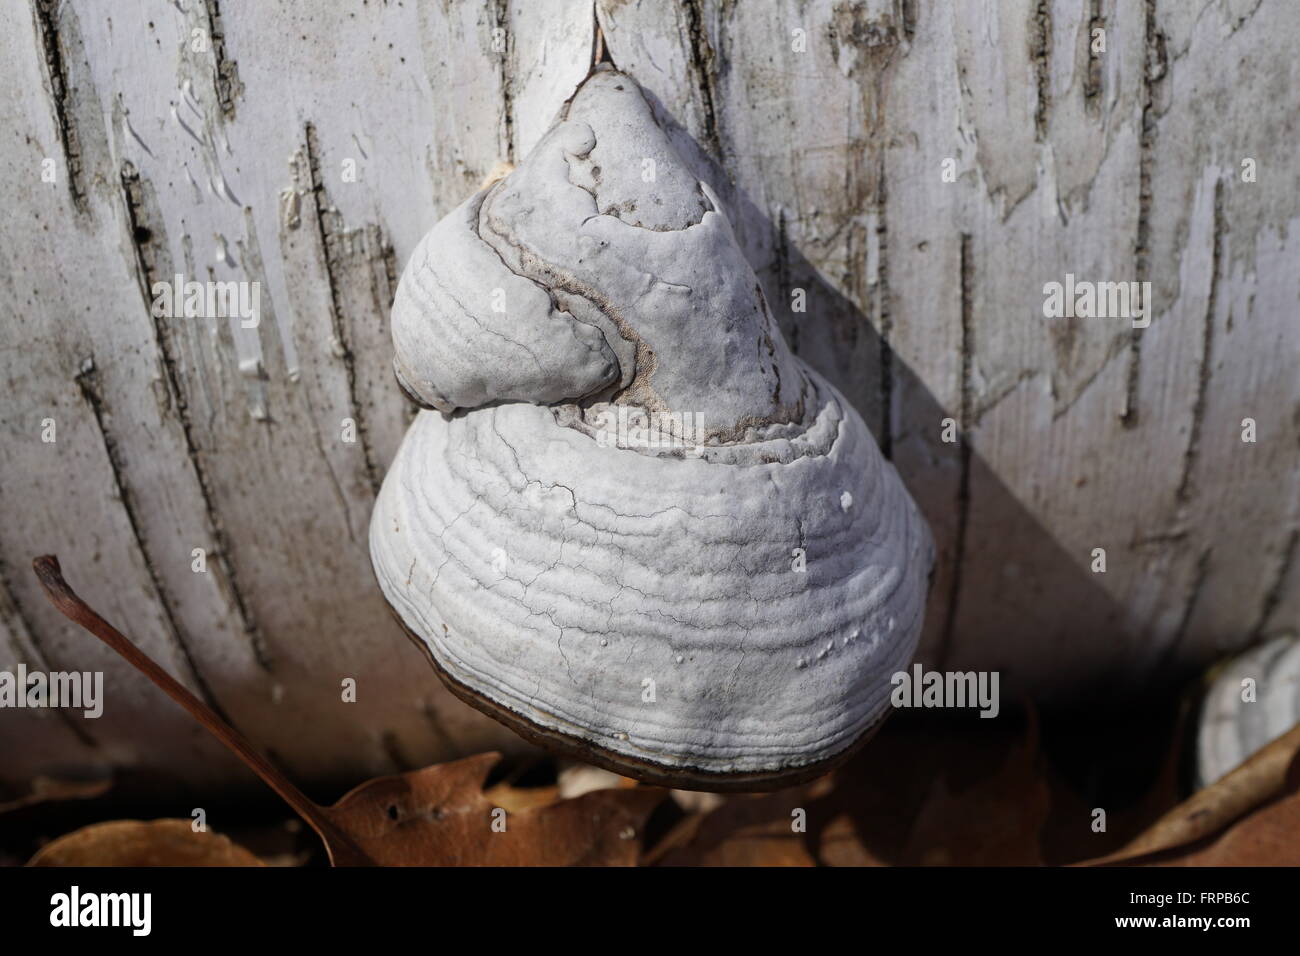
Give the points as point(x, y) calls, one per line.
point(733, 599)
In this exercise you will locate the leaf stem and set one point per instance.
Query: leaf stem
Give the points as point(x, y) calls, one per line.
point(341, 848)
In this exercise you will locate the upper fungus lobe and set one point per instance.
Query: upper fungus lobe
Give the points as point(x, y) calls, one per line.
point(469, 332)
point(605, 212)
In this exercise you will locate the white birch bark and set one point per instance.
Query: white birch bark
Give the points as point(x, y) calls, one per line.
point(825, 126)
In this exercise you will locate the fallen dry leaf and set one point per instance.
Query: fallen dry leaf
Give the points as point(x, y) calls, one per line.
point(441, 815)
point(745, 831)
point(972, 794)
point(435, 816)
point(143, 843)
point(1257, 781)
point(968, 793)
point(994, 821)
point(1268, 837)
point(513, 799)
point(841, 846)
point(45, 789)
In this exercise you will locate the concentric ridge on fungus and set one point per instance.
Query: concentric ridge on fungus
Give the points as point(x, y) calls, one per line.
point(641, 529)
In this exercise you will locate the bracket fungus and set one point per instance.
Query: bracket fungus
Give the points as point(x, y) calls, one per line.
point(633, 525)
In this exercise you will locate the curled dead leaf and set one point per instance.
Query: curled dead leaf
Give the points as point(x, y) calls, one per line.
point(1259, 780)
point(143, 843)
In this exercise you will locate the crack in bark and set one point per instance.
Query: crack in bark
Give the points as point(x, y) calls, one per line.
point(886, 319)
point(1193, 450)
point(88, 383)
point(1159, 539)
point(225, 74)
point(500, 13)
point(703, 59)
point(963, 485)
point(329, 227)
point(1040, 53)
point(392, 272)
point(1201, 575)
point(1094, 76)
point(46, 14)
point(783, 282)
point(1153, 72)
point(1273, 596)
point(146, 269)
point(339, 496)
point(909, 18)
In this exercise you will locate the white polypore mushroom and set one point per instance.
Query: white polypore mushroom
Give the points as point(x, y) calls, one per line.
point(643, 531)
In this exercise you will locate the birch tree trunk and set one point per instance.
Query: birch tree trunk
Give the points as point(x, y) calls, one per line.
point(913, 171)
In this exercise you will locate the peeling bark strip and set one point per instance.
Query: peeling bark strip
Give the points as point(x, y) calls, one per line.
point(225, 77)
point(147, 272)
point(967, 408)
point(1041, 54)
point(88, 382)
point(1193, 451)
point(1153, 72)
point(329, 224)
point(46, 14)
point(704, 66)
